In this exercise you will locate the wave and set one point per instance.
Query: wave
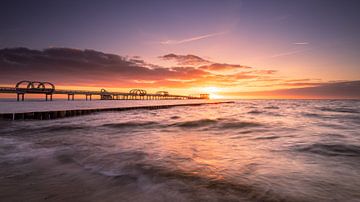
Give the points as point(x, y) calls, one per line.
point(255, 112)
point(270, 113)
point(271, 107)
point(65, 158)
point(332, 149)
point(267, 137)
point(314, 115)
point(159, 174)
point(131, 124)
point(62, 128)
point(196, 123)
point(339, 109)
point(217, 123)
point(239, 124)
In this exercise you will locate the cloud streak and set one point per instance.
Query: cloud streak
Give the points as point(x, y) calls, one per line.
point(191, 39)
point(301, 43)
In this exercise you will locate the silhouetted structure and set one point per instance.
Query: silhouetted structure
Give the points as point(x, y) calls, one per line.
point(204, 96)
point(34, 87)
point(48, 89)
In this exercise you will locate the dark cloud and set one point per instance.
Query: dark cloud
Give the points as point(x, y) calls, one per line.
point(72, 66)
point(349, 90)
point(206, 65)
point(67, 66)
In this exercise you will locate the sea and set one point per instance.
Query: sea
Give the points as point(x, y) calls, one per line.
point(249, 150)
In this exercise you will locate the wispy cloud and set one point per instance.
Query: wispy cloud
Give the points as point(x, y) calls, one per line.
point(298, 50)
point(287, 53)
point(187, 40)
point(301, 43)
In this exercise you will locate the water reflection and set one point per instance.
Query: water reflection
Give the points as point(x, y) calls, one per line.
point(289, 151)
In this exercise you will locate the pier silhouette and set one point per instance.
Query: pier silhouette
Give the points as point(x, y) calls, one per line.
point(48, 90)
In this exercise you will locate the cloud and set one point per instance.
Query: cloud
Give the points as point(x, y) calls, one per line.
point(222, 67)
point(192, 60)
point(301, 43)
point(187, 40)
point(75, 67)
point(68, 66)
point(203, 64)
point(335, 90)
point(287, 53)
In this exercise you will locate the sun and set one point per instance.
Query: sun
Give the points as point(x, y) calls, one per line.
point(212, 91)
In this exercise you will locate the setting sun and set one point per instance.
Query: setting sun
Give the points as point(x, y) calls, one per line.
point(212, 91)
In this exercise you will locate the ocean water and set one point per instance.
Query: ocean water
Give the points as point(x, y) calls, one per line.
point(250, 150)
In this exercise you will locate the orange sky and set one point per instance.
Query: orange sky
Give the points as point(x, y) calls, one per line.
point(178, 74)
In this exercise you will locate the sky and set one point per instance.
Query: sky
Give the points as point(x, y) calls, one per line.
point(229, 48)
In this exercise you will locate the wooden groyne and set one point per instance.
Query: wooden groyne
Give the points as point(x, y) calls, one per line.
point(47, 115)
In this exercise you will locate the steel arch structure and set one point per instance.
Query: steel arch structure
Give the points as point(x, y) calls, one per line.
point(105, 95)
point(34, 87)
point(138, 92)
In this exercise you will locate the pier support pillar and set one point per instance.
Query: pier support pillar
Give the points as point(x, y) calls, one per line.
point(71, 96)
point(20, 96)
point(88, 97)
point(48, 97)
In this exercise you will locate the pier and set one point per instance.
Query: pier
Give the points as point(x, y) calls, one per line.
point(48, 90)
point(117, 101)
